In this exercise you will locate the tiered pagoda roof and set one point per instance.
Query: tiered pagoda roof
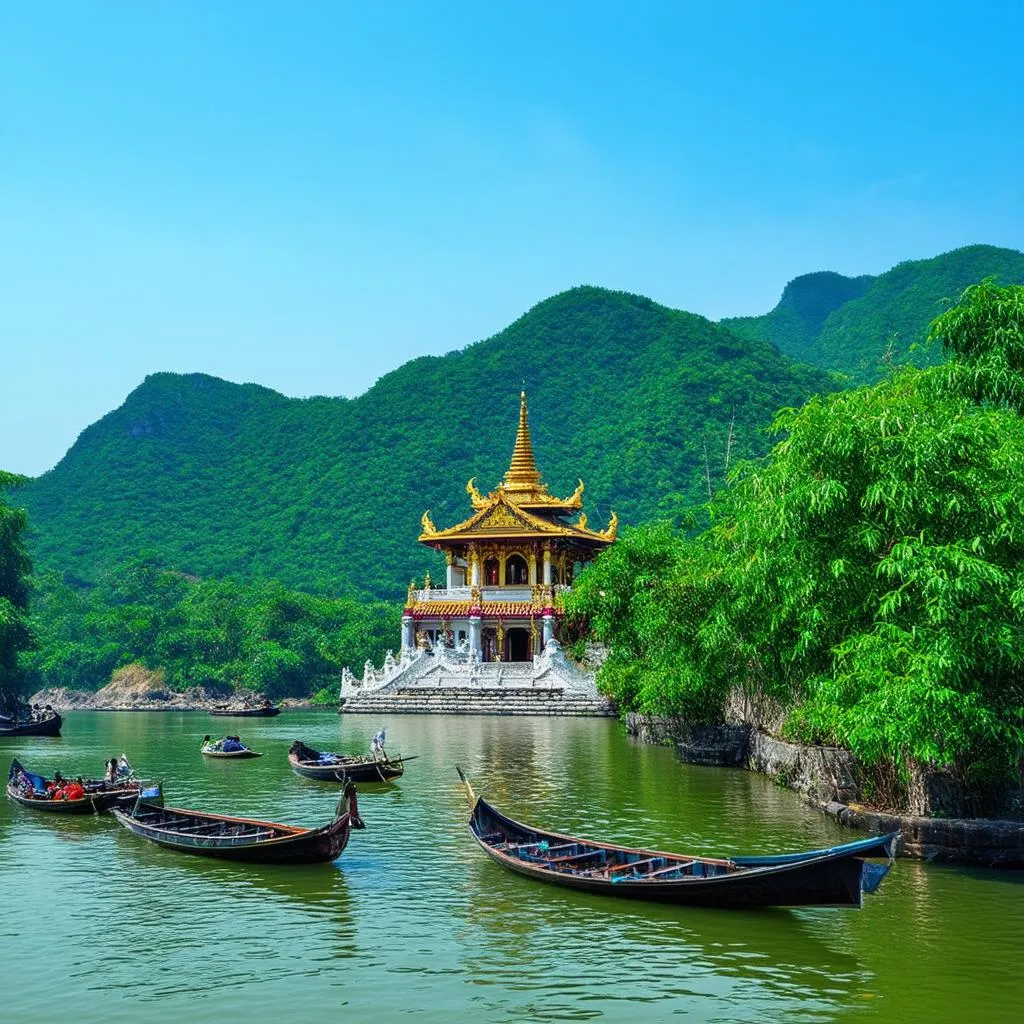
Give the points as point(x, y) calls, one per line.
point(521, 506)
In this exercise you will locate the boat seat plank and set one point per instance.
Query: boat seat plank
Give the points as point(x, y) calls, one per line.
point(681, 866)
point(631, 865)
point(577, 856)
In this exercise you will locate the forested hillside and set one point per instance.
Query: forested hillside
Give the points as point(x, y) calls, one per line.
point(222, 479)
point(866, 577)
point(855, 325)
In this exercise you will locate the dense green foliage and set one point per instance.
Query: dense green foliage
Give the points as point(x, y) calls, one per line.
point(15, 632)
point(215, 633)
point(860, 325)
point(868, 575)
point(327, 494)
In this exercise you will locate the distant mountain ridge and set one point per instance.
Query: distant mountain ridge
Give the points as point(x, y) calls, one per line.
point(855, 324)
point(327, 493)
point(640, 400)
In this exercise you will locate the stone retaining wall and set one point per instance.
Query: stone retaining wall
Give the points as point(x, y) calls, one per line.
point(826, 777)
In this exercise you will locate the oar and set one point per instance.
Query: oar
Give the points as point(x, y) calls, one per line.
point(470, 795)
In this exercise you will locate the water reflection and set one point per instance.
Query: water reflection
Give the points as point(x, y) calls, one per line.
point(413, 918)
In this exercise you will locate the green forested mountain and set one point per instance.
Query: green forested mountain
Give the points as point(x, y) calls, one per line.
point(866, 577)
point(222, 479)
point(849, 324)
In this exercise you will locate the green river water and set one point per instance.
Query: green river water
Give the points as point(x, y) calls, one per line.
point(413, 922)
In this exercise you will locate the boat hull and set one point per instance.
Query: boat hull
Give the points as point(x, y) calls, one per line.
point(354, 769)
point(246, 713)
point(296, 846)
point(46, 727)
point(836, 877)
point(237, 755)
point(93, 803)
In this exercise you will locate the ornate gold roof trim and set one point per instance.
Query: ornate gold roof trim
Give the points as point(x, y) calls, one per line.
point(501, 516)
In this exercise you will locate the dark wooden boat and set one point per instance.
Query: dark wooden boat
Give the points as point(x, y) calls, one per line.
point(46, 725)
point(308, 763)
point(265, 712)
point(208, 751)
point(838, 876)
point(99, 795)
point(245, 839)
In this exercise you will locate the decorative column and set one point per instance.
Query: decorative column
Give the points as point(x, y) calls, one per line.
point(499, 653)
point(549, 626)
point(475, 614)
point(533, 568)
point(474, 566)
point(449, 557)
point(408, 633)
point(547, 565)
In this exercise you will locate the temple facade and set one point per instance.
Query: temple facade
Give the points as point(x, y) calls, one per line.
point(494, 623)
point(507, 565)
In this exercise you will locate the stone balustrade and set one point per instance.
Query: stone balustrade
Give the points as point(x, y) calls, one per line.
point(523, 592)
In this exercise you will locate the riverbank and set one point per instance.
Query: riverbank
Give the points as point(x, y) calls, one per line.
point(826, 777)
point(136, 688)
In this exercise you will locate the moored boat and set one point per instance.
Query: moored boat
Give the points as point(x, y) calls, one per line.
point(69, 796)
point(267, 710)
point(328, 767)
point(245, 839)
point(227, 746)
point(838, 876)
point(47, 724)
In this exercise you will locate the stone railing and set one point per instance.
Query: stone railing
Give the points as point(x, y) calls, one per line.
point(442, 666)
point(446, 594)
point(522, 592)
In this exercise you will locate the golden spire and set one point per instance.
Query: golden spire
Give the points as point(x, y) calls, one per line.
point(522, 474)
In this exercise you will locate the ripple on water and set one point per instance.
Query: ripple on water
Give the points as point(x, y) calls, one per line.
point(413, 920)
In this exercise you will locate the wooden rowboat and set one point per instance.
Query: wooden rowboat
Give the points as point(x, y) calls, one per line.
point(48, 725)
point(244, 839)
point(264, 712)
point(309, 763)
point(208, 750)
point(839, 876)
point(99, 795)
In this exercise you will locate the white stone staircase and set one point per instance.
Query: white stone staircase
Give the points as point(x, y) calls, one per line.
point(453, 700)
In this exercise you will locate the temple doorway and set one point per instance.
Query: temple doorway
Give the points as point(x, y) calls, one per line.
point(517, 645)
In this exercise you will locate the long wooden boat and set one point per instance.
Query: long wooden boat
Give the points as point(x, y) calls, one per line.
point(47, 725)
point(207, 750)
point(310, 764)
point(265, 712)
point(244, 839)
point(839, 876)
point(30, 790)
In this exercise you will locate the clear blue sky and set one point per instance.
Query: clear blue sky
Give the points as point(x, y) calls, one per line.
point(307, 195)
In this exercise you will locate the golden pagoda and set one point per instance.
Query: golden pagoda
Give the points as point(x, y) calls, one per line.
point(507, 563)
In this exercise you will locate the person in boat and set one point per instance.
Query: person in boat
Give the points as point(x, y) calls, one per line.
point(231, 745)
point(377, 746)
point(55, 785)
point(110, 775)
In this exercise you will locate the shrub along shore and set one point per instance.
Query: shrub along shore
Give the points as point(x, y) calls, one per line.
point(861, 587)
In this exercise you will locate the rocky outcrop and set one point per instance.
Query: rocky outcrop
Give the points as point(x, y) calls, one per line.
point(135, 688)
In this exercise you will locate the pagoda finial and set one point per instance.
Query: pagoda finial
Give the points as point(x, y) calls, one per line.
point(522, 474)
